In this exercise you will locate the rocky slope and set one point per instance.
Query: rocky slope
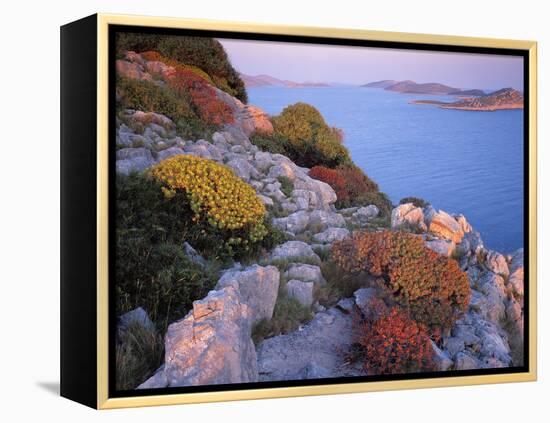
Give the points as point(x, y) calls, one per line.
point(212, 344)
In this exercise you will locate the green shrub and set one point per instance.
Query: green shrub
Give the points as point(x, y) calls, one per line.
point(139, 353)
point(288, 315)
point(149, 97)
point(418, 202)
point(203, 52)
point(287, 186)
point(309, 140)
point(272, 143)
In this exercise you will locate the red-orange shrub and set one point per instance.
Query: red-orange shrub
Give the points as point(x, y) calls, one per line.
point(332, 177)
point(393, 343)
point(192, 81)
point(349, 182)
point(432, 287)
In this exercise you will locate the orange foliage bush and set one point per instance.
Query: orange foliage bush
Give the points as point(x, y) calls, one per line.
point(198, 85)
point(432, 287)
point(348, 181)
point(393, 343)
point(332, 177)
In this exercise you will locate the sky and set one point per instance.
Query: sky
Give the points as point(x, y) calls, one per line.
point(360, 65)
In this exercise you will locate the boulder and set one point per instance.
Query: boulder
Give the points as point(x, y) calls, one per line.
point(300, 291)
point(137, 316)
point(464, 224)
point(315, 350)
point(295, 223)
point(496, 263)
point(445, 226)
point(465, 361)
point(363, 298)
point(330, 235)
point(193, 255)
point(364, 214)
point(293, 251)
point(243, 169)
point(305, 273)
point(441, 246)
point(408, 214)
point(132, 70)
point(441, 359)
point(489, 300)
point(320, 220)
point(515, 279)
point(133, 160)
point(169, 152)
point(210, 346)
point(258, 287)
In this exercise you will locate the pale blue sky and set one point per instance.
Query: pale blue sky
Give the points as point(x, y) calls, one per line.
point(360, 65)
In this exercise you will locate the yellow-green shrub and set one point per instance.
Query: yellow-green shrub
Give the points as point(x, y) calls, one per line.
point(216, 195)
point(311, 141)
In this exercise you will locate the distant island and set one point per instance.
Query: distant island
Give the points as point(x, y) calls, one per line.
point(503, 99)
point(411, 87)
point(267, 80)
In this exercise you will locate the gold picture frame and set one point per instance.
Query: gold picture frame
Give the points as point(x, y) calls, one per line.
point(102, 398)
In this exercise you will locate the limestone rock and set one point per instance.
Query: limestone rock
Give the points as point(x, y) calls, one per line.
point(300, 291)
point(133, 160)
point(364, 214)
point(293, 251)
point(321, 220)
point(515, 279)
point(169, 152)
point(193, 255)
point(313, 351)
point(496, 263)
point(441, 359)
point(444, 225)
point(137, 316)
point(243, 169)
point(258, 287)
point(330, 235)
point(441, 246)
point(305, 273)
point(210, 346)
point(295, 223)
point(408, 214)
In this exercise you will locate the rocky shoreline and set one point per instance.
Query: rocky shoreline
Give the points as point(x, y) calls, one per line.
point(213, 343)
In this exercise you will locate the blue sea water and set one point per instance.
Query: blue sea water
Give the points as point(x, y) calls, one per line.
point(460, 161)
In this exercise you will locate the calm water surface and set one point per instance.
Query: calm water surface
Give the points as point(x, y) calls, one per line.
point(460, 161)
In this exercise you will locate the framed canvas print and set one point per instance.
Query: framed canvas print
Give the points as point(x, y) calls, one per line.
point(254, 211)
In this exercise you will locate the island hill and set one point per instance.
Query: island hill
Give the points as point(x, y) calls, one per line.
point(411, 87)
point(472, 99)
point(266, 80)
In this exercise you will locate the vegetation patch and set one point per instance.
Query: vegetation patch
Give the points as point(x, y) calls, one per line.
point(391, 342)
point(288, 315)
point(431, 287)
point(139, 353)
point(416, 201)
point(203, 53)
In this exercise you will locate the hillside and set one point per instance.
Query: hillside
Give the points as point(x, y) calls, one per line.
point(266, 80)
point(251, 248)
point(503, 99)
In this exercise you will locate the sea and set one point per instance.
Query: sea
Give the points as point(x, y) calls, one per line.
point(467, 162)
